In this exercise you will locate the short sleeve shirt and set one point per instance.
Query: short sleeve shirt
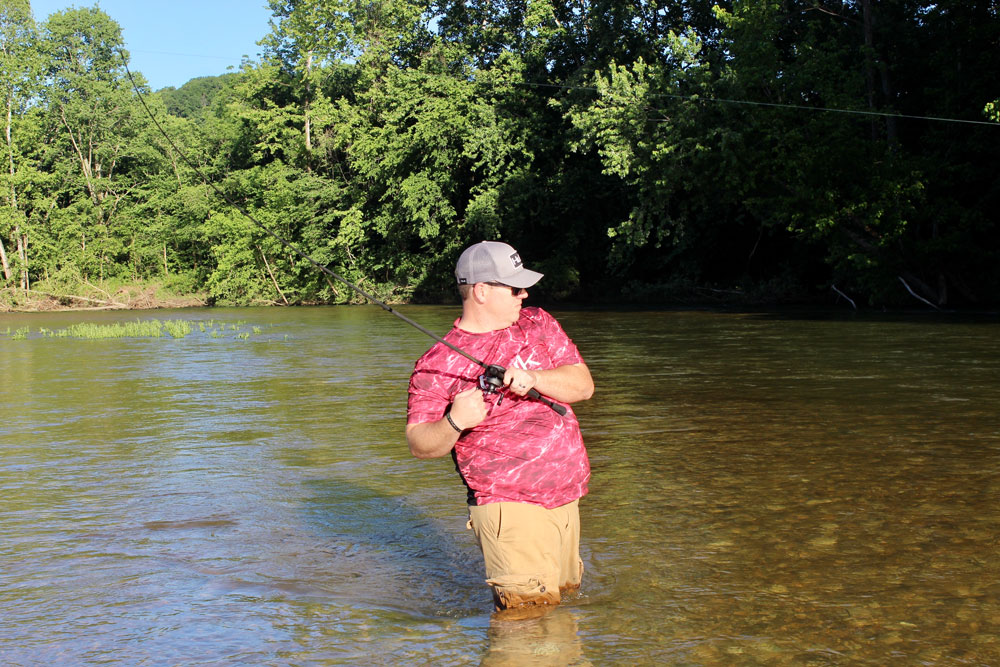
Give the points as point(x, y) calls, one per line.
point(523, 451)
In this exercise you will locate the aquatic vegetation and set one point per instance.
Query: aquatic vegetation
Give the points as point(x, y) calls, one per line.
point(175, 328)
point(136, 329)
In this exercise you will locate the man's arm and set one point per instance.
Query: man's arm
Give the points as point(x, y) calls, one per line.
point(566, 384)
point(433, 439)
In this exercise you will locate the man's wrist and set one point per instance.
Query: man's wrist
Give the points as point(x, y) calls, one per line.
point(451, 421)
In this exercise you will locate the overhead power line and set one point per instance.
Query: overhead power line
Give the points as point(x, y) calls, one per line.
point(720, 100)
point(794, 107)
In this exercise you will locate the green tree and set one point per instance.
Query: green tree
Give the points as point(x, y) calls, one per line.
point(633, 145)
point(196, 97)
point(942, 60)
point(838, 183)
point(402, 129)
point(645, 127)
point(20, 64)
point(94, 118)
point(309, 36)
point(171, 202)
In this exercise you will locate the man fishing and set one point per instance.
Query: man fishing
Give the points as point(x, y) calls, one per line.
point(523, 461)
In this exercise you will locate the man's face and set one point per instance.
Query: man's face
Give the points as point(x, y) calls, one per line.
point(504, 302)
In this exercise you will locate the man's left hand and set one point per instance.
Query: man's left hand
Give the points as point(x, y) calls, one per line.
point(519, 381)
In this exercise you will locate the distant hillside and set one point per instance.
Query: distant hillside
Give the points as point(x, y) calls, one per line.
point(197, 94)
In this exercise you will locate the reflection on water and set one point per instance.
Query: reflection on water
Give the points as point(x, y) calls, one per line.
point(768, 489)
point(549, 639)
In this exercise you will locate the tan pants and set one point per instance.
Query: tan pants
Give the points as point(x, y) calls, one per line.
point(532, 554)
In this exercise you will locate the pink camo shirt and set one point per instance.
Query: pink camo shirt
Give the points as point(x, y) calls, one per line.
point(523, 451)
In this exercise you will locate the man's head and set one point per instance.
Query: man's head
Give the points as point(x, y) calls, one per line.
point(493, 283)
point(493, 262)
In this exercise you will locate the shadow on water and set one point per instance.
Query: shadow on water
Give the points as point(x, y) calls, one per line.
point(395, 555)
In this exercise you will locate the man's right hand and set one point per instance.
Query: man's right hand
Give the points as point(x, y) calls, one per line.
point(469, 408)
point(432, 439)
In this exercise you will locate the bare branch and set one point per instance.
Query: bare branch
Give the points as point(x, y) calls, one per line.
point(853, 305)
point(915, 295)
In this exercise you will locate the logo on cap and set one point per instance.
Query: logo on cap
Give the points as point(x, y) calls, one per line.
point(516, 260)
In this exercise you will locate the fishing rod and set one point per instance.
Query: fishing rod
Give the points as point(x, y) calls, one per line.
point(491, 380)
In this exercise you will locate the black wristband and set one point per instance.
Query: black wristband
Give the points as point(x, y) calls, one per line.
point(452, 422)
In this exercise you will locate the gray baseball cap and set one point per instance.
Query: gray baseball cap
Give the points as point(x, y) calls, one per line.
point(493, 262)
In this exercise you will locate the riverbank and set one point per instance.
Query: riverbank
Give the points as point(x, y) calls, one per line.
point(78, 294)
point(82, 295)
point(86, 296)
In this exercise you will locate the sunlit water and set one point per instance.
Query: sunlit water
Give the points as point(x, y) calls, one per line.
point(768, 489)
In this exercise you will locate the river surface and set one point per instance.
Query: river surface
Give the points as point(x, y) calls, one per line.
point(768, 489)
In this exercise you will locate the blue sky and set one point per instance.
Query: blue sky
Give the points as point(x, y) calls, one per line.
point(175, 41)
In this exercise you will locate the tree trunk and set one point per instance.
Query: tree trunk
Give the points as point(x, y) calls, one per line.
point(13, 192)
point(22, 253)
point(271, 274)
point(3, 260)
point(866, 12)
point(86, 166)
point(871, 65)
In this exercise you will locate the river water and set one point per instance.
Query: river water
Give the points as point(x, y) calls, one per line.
point(768, 488)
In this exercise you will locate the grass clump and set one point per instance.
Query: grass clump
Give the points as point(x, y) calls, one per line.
point(139, 329)
point(177, 328)
point(91, 331)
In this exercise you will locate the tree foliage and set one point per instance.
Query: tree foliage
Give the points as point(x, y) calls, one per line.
point(20, 65)
point(633, 150)
point(194, 97)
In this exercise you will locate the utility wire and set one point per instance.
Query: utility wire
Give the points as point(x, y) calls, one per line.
point(720, 100)
point(794, 107)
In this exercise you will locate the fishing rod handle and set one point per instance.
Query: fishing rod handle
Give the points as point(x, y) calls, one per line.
point(560, 409)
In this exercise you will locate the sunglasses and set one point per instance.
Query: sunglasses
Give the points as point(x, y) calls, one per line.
point(514, 291)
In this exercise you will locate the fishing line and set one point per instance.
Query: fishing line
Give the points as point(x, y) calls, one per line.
point(281, 240)
point(492, 378)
